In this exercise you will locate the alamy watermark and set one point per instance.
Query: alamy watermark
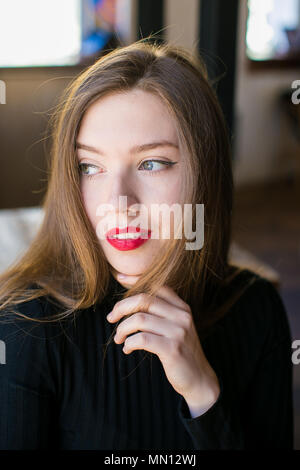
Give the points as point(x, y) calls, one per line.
point(2, 92)
point(183, 221)
point(296, 354)
point(296, 93)
point(2, 352)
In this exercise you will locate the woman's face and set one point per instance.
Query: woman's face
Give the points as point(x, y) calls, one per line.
point(112, 165)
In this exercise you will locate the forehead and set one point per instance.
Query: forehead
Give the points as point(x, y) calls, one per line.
point(129, 117)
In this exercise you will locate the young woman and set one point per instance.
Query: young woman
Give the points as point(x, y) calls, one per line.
point(196, 352)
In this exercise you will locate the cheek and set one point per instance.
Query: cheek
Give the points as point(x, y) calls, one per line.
point(167, 193)
point(173, 194)
point(175, 188)
point(164, 191)
point(90, 202)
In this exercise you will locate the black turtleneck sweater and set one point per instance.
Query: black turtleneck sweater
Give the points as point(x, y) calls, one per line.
point(56, 392)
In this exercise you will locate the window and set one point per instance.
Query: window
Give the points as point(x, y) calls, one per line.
point(37, 33)
point(273, 30)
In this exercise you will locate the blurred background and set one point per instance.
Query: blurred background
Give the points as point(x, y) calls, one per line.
point(252, 52)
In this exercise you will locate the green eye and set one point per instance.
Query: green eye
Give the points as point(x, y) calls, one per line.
point(151, 163)
point(85, 166)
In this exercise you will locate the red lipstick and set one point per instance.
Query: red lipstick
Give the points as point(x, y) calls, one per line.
point(127, 243)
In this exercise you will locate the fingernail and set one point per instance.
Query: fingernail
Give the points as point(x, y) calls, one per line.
point(121, 276)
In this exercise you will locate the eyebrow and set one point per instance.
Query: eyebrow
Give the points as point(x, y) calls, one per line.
point(135, 149)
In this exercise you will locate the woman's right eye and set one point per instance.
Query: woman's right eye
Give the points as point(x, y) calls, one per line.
point(85, 167)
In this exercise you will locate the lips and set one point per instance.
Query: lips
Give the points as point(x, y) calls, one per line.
point(127, 244)
point(117, 230)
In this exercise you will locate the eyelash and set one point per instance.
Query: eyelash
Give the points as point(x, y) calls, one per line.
point(151, 173)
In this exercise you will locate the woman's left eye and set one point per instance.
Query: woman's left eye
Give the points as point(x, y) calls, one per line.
point(150, 164)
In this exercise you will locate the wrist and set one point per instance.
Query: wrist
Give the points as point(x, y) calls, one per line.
point(203, 397)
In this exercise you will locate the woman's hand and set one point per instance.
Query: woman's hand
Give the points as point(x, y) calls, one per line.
point(167, 329)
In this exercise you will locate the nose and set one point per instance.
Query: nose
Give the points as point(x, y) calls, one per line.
point(122, 192)
point(118, 209)
point(121, 196)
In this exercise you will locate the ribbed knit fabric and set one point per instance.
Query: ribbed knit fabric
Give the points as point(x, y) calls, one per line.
point(54, 392)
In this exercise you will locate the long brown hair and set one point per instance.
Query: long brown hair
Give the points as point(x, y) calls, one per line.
point(65, 260)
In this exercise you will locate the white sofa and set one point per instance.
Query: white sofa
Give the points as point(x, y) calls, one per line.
point(17, 229)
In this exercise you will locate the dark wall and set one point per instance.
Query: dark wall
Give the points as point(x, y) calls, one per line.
point(218, 24)
point(30, 95)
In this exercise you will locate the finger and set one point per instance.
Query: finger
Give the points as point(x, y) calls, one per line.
point(153, 343)
point(144, 302)
point(126, 280)
point(165, 292)
point(142, 321)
